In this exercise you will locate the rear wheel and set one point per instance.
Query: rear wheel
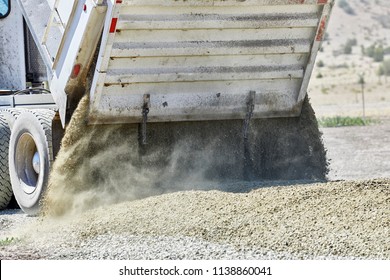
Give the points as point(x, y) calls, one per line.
point(10, 115)
point(30, 157)
point(5, 183)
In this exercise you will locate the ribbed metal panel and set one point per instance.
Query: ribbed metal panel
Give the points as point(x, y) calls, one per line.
point(36, 69)
point(199, 60)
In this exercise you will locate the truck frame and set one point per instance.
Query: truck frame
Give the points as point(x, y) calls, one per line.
point(145, 62)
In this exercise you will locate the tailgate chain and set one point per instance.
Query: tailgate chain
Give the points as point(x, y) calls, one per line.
point(248, 174)
point(145, 112)
point(250, 106)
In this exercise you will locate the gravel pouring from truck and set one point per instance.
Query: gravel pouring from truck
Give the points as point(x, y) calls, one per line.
point(191, 66)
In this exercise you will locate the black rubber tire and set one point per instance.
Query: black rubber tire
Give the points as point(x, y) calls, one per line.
point(10, 115)
point(5, 182)
point(32, 132)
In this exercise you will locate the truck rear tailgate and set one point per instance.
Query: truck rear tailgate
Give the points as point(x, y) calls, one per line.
point(204, 59)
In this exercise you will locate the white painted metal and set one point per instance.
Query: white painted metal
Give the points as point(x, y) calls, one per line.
point(62, 13)
point(200, 59)
point(82, 23)
point(197, 59)
point(54, 20)
point(12, 60)
point(63, 10)
point(76, 47)
point(30, 101)
point(315, 47)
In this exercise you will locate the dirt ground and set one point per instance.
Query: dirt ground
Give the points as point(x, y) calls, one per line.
point(358, 152)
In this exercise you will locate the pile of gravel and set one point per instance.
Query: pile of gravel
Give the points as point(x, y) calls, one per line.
point(335, 220)
point(105, 164)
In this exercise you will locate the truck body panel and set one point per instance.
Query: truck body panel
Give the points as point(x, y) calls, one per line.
point(66, 35)
point(12, 58)
point(180, 60)
point(202, 60)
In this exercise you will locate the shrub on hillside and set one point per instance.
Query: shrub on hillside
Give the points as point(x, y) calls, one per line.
point(320, 64)
point(375, 52)
point(384, 68)
point(343, 4)
point(348, 46)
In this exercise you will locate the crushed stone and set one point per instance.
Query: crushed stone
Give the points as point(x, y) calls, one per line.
point(334, 220)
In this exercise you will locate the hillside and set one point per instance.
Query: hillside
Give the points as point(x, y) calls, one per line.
point(334, 89)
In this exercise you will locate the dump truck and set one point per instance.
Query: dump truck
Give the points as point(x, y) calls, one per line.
point(223, 69)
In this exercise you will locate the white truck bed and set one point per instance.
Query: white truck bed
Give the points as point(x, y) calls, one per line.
point(189, 60)
point(199, 60)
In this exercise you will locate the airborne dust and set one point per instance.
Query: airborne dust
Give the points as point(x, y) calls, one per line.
point(104, 164)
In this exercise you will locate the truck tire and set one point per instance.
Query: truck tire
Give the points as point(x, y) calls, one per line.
point(30, 157)
point(5, 182)
point(10, 115)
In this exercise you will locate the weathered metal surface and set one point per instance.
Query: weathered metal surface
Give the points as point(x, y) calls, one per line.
point(36, 68)
point(33, 101)
point(66, 33)
point(36, 14)
point(12, 61)
point(199, 60)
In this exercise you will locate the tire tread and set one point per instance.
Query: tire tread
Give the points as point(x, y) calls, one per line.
point(39, 123)
point(5, 181)
point(45, 118)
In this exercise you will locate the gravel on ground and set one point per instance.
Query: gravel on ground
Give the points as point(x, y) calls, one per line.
point(334, 220)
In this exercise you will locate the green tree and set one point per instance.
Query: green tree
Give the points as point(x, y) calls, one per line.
point(375, 52)
point(381, 71)
point(348, 45)
point(320, 64)
point(347, 49)
point(370, 51)
point(384, 69)
point(379, 54)
point(343, 4)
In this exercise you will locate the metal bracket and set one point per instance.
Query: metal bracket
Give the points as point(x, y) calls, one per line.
point(250, 106)
point(145, 112)
point(12, 99)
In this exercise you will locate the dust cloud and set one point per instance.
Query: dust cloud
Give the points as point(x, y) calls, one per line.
point(105, 164)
